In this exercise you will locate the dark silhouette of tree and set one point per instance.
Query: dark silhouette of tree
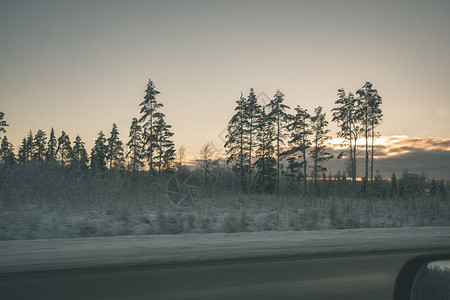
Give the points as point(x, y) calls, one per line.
point(52, 147)
point(149, 108)
point(370, 116)
point(299, 128)
point(180, 159)
point(80, 156)
point(3, 123)
point(347, 115)
point(252, 109)
point(26, 149)
point(375, 119)
point(319, 137)
point(39, 146)
point(114, 154)
point(265, 163)
point(64, 152)
point(135, 146)
point(278, 113)
point(206, 161)
point(164, 147)
point(99, 152)
point(236, 145)
point(7, 156)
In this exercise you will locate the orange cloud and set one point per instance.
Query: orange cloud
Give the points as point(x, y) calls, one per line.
point(398, 145)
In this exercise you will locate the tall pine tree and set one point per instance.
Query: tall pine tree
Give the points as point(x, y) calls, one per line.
point(26, 149)
point(64, 151)
point(80, 157)
point(347, 116)
point(235, 144)
point(98, 153)
point(148, 109)
point(7, 156)
point(265, 163)
point(135, 146)
point(319, 137)
point(281, 117)
point(52, 147)
point(164, 146)
point(39, 146)
point(115, 156)
point(252, 111)
point(370, 116)
point(299, 142)
point(3, 123)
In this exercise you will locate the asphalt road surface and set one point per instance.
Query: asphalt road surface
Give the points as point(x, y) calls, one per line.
point(362, 276)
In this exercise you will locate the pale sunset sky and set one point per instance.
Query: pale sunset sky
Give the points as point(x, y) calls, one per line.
point(79, 66)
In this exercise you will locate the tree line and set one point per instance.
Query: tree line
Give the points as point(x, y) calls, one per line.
point(260, 137)
point(150, 144)
point(266, 144)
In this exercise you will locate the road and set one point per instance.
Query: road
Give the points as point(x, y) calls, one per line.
point(360, 276)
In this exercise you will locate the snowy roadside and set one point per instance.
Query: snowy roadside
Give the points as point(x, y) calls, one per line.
point(52, 254)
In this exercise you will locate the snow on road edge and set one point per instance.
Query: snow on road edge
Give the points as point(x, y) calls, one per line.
point(52, 254)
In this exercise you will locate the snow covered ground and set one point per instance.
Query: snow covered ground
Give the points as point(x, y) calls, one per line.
point(226, 215)
point(51, 254)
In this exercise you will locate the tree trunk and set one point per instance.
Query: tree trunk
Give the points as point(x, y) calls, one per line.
point(371, 155)
point(366, 133)
point(160, 160)
point(304, 168)
point(278, 154)
point(315, 166)
point(354, 157)
point(250, 152)
point(241, 161)
point(150, 144)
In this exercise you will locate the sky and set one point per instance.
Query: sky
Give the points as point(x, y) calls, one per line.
point(80, 66)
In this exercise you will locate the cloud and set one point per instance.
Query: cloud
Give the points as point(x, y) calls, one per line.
point(397, 153)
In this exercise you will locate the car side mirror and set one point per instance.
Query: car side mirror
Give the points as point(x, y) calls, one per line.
point(424, 277)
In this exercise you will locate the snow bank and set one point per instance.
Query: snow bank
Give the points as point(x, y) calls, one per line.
point(52, 254)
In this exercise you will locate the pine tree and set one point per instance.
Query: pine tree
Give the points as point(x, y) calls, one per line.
point(265, 163)
point(64, 152)
point(169, 157)
point(375, 119)
point(278, 113)
point(98, 153)
point(7, 156)
point(22, 155)
point(370, 116)
point(38, 148)
point(347, 116)
point(26, 149)
point(252, 111)
point(52, 149)
point(115, 156)
point(80, 157)
point(235, 144)
point(164, 146)
point(299, 127)
point(149, 107)
point(3, 123)
point(135, 146)
point(318, 153)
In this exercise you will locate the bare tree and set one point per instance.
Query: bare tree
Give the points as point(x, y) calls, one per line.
point(206, 155)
